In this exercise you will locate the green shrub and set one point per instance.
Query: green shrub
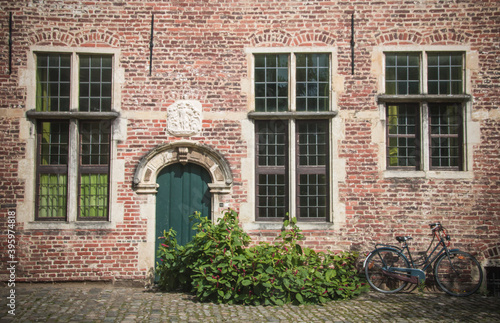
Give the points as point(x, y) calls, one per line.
point(218, 266)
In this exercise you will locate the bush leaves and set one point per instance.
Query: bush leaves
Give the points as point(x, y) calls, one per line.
point(218, 266)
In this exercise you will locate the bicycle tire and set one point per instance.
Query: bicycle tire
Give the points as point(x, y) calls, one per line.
point(461, 277)
point(385, 257)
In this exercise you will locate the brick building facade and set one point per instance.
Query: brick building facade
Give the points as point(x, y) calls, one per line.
point(363, 119)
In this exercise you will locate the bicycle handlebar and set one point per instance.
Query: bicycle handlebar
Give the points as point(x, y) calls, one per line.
point(435, 226)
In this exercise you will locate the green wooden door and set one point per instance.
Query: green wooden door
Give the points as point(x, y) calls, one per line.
point(182, 190)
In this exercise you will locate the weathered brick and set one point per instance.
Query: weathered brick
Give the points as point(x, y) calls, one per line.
point(199, 53)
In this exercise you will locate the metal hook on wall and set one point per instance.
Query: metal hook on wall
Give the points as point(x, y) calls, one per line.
point(10, 43)
point(151, 45)
point(352, 43)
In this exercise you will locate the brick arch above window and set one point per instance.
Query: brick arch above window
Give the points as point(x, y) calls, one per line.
point(303, 38)
point(409, 37)
point(53, 38)
point(87, 38)
point(94, 38)
point(313, 38)
point(269, 36)
point(446, 37)
point(399, 37)
point(182, 152)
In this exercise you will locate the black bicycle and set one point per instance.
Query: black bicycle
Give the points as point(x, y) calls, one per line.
point(456, 272)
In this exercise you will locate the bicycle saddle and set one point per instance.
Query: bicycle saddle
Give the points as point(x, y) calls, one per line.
point(403, 239)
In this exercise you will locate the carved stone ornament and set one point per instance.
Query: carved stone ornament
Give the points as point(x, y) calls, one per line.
point(184, 118)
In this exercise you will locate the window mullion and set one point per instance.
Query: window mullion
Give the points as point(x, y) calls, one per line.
point(424, 137)
point(424, 73)
point(292, 139)
point(73, 162)
point(73, 153)
point(292, 174)
point(292, 83)
point(74, 91)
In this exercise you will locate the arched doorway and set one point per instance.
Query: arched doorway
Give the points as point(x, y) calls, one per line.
point(155, 164)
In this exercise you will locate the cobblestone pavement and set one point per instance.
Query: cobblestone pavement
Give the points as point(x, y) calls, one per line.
point(92, 302)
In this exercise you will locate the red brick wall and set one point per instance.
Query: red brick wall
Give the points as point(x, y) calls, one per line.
point(199, 53)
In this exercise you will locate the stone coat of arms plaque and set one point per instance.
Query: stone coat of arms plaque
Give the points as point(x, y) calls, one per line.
point(184, 118)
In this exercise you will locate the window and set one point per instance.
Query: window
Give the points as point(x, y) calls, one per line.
point(403, 132)
point(53, 82)
point(402, 73)
point(95, 83)
point(73, 149)
point(94, 169)
point(424, 110)
point(312, 83)
point(292, 130)
point(445, 73)
point(52, 179)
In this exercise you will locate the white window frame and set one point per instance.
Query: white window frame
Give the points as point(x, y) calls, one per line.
point(29, 124)
point(469, 138)
point(292, 114)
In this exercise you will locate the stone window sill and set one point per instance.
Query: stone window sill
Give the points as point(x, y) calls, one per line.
point(62, 225)
point(428, 174)
point(257, 226)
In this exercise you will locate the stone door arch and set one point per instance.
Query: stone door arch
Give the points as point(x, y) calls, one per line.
point(145, 183)
point(184, 152)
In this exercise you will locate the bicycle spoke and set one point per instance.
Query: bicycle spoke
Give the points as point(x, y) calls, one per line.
point(459, 274)
point(376, 273)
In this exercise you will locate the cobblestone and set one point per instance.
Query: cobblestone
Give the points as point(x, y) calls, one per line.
point(93, 302)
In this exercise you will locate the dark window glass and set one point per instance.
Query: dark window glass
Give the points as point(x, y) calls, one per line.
point(445, 122)
point(53, 82)
point(312, 82)
point(271, 82)
point(445, 74)
point(271, 165)
point(312, 169)
point(402, 73)
point(95, 83)
point(402, 132)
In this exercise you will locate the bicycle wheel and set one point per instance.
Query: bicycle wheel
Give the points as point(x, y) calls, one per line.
point(458, 275)
point(375, 275)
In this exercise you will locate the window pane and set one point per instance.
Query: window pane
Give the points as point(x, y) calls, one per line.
point(94, 169)
point(94, 196)
point(94, 141)
point(260, 75)
point(312, 143)
point(95, 82)
point(402, 73)
point(271, 75)
point(402, 132)
point(312, 199)
point(51, 192)
point(53, 82)
point(52, 196)
point(271, 196)
point(390, 88)
point(445, 135)
point(53, 143)
point(445, 73)
point(271, 80)
point(312, 164)
point(282, 90)
point(271, 143)
point(312, 80)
